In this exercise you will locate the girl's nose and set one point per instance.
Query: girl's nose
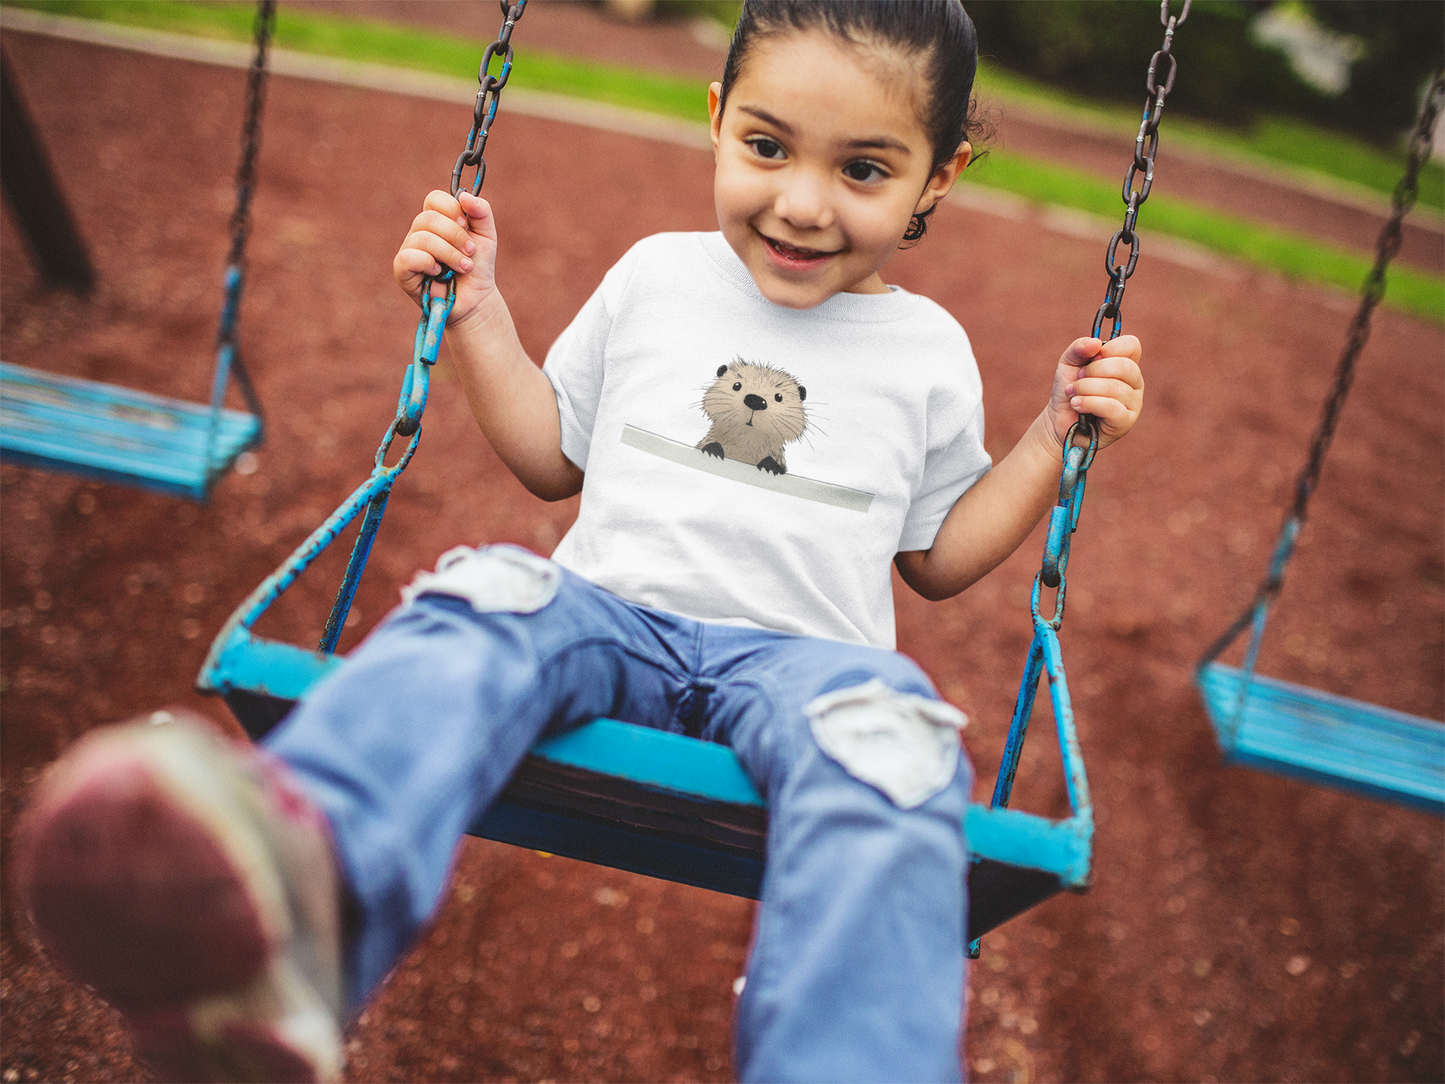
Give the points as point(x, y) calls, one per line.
point(802, 201)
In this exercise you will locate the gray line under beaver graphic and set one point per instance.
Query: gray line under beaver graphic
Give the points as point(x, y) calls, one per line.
point(755, 410)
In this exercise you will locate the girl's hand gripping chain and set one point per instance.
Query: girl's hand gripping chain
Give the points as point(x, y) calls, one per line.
point(512, 400)
point(1102, 379)
point(456, 232)
point(991, 519)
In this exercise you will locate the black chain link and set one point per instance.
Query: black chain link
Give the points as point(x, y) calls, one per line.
point(1371, 293)
point(1079, 456)
point(484, 111)
point(436, 308)
point(264, 24)
point(262, 28)
point(1386, 247)
point(1146, 145)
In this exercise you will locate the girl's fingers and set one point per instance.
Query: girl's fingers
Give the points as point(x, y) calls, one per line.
point(1109, 387)
point(440, 249)
point(475, 214)
point(453, 232)
point(1125, 346)
point(442, 202)
point(1081, 351)
point(414, 261)
point(1106, 383)
point(1109, 411)
point(474, 206)
point(1122, 370)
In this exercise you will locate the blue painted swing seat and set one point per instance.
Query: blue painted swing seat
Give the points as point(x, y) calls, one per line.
point(1322, 738)
point(669, 806)
point(117, 434)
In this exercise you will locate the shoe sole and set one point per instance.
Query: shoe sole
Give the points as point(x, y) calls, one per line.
point(141, 881)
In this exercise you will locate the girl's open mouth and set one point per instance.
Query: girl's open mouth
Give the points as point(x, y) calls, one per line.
point(794, 257)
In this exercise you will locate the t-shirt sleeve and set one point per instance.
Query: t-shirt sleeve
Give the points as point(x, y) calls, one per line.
point(948, 471)
point(575, 363)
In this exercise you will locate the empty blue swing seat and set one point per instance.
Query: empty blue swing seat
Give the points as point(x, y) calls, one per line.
point(117, 434)
point(1322, 738)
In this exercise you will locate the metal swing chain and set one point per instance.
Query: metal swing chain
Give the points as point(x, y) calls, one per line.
point(435, 310)
point(1146, 144)
point(263, 27)
point(375, 493)
point(1080, 445)
point(484, 111)
point(240, 224)
point(1372, 292)
point(1386, 248)
point(1078, 457)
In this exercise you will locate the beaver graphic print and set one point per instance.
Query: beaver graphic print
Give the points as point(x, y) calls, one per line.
point(755, 410)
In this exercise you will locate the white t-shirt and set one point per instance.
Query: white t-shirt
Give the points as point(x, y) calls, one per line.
point(678, 378)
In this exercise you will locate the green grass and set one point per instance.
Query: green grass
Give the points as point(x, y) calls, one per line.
point(1296, 143)
point(1289, 253)
point(403, 47)
point(1281, 142)
point(1277, 141)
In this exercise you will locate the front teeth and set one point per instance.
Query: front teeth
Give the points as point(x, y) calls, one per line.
point(790, 250)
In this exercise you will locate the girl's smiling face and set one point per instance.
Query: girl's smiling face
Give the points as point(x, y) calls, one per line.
point(821, 164)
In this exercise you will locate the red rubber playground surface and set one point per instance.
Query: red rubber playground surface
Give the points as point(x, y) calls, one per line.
point(1240, 927)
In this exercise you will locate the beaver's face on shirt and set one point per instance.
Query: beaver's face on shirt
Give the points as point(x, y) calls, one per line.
point(755, 410)
point(821, 163)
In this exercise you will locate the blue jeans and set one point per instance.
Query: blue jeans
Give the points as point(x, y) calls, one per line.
point(858, 964)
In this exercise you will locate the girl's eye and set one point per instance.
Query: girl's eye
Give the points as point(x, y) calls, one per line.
point(864, 172)
point(764, 147)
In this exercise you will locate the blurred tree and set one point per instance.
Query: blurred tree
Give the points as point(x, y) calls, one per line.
point(1404, 45)
point(1096, 47)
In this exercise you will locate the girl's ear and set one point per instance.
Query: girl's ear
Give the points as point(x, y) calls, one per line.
point(943, 177)
point(714, 113)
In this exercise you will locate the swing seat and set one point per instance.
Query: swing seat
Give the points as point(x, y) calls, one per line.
point(665, 805)
point(117, 434)
point(1321, 738)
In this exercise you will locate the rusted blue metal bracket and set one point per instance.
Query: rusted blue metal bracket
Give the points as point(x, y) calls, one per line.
point(234, 639)
point(1045, 657)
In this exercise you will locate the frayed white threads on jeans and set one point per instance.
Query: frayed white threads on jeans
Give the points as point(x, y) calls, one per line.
point(904, 745)
point(498, 579)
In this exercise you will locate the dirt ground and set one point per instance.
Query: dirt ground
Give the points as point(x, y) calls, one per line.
point(1240, 926)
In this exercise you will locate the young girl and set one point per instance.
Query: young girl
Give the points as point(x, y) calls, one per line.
point(758, 425)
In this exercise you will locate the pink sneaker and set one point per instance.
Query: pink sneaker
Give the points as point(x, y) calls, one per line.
point(189, 882)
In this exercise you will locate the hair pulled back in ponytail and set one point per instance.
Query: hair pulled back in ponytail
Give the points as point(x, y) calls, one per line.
point(938, 32)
